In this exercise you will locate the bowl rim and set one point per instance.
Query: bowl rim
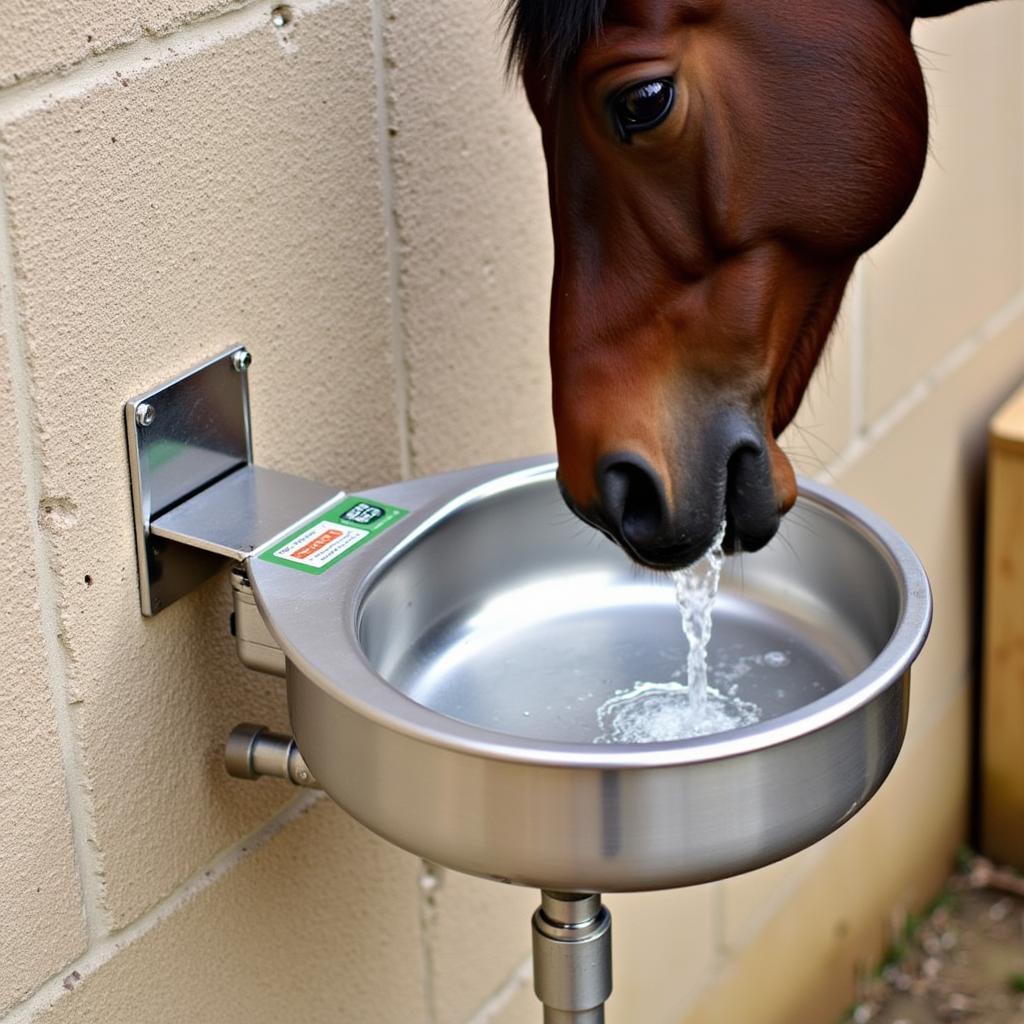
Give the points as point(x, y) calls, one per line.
point(355, 683)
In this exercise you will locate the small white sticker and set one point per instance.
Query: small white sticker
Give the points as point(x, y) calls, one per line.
point(321, 544)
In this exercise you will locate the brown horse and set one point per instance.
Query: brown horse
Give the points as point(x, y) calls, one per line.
point(715, 169)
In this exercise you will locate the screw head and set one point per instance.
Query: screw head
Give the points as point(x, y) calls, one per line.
point(144, 414)
point(241, 360)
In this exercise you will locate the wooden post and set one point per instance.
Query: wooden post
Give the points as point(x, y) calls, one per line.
point(1002, 754)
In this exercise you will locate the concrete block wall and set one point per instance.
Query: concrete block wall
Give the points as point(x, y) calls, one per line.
point(357, 195)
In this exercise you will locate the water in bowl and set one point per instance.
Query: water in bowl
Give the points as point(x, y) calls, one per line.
point(542, 658)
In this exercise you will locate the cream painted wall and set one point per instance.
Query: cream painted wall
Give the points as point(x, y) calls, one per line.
point(359, 197)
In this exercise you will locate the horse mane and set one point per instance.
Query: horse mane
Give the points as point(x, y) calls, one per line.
point(549, 33)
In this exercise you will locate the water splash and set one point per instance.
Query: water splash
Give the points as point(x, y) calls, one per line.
point(659, 712)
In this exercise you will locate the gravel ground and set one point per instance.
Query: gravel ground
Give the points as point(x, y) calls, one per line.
point(963, 962)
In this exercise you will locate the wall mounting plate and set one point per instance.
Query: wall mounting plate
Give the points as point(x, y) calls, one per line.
point(197, 497)
point(182, 436)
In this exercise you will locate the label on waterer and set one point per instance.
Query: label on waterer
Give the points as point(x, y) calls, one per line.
point(333, 534)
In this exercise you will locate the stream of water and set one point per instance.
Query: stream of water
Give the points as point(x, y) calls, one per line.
point(652, 712)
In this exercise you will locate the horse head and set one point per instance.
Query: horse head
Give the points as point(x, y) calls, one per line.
point(715, 169)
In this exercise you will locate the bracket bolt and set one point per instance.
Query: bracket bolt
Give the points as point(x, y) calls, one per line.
point(144, 414)
point(241, 360)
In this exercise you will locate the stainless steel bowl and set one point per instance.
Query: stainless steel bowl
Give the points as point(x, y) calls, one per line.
point(443, 683)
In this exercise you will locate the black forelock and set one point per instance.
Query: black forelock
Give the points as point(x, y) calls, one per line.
point(549, 33)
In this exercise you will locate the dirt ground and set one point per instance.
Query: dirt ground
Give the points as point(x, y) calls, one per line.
point(963, 962)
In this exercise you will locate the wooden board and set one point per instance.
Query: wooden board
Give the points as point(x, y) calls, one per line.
point(1007, 428)
point(1002, 755)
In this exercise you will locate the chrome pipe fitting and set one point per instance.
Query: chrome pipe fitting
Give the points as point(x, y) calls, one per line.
point(595, 1016)
point(253, 751)
point(572, 957)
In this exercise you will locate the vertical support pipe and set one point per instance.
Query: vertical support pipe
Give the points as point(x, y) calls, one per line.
point(572, 957)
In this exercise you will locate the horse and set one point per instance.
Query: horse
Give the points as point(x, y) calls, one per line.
point(715, 170)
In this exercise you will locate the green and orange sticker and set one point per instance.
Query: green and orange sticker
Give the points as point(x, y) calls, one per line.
point(334, 534)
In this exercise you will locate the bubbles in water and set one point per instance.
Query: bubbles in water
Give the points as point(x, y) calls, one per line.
point(776, 659)
point(659, 712)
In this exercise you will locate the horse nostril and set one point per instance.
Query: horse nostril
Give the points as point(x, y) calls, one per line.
point(750, 497)
point(633, 500)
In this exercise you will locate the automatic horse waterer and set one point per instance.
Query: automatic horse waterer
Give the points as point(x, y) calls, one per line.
point(447, 642)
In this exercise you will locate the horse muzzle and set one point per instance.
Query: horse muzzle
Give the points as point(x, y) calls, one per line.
point(668, 524)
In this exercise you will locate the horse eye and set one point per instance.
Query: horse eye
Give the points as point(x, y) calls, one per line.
point(638, 108)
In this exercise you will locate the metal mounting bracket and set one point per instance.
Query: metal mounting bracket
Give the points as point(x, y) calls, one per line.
point(198, 499)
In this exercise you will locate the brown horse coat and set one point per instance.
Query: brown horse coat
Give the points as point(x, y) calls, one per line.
point(716, 168)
